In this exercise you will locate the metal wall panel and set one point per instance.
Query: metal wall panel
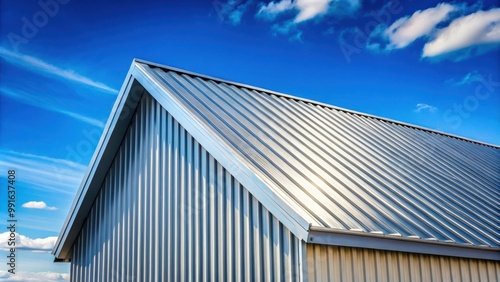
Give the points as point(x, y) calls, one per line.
point(332, 263)
point(168, 211)
point(344, 170)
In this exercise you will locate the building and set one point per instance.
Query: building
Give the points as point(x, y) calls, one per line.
point(196, 178)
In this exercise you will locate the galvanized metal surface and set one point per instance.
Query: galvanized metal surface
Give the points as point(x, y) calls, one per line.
point(332, 263)
point(168, 211)
point(313, 163)
point(344, 170)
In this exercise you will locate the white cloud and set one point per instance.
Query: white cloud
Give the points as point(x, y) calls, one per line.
point(422, 23)
point(23, 276)
point(307, 9)
point(467, 35)
point(476, 29)
point(45, 103)
point(35, 64)
point(310, 9)
point(23, 242)
point(272, 9)
point(295, 12)
point(38, 205)
point(45, 173)
point(424, 107)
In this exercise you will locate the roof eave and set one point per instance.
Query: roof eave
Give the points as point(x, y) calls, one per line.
point(346, 238)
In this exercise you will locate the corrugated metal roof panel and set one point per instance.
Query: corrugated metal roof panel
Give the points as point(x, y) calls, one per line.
point(345, 170)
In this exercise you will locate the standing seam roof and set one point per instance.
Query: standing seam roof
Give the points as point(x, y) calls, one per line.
point(349, 171)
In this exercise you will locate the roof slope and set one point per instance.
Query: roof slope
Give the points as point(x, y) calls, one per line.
point(330, 169)
point(351, 171)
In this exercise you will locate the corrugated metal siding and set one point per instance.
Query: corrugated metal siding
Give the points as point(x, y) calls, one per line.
point(168, 211)
point(331, 263)
point(349, 171)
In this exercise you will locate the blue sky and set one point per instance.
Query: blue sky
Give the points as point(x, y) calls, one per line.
point(430, 63)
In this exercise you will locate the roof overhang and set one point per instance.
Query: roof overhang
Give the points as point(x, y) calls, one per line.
point(335, 237)
point(116, 126)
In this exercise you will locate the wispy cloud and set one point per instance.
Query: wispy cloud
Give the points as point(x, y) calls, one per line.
point(471, 77)
point(479, 29)
point(231, 11)
point(425, 107)
point(89, 120)
point(297, 36)
point(33, 276)
point(45, 103)
point(23, 242)
point(273, 9)
point(288, 28)
point(38, 205)
point(50, 174)
point(40, 66)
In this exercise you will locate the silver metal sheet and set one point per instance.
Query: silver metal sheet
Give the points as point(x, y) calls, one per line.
point(303, 166)
point(348, 171)
point(168, 211)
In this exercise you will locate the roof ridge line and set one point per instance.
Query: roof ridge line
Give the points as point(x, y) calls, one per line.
point(317, 103)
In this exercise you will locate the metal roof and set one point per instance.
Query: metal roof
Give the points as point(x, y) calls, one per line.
point(333, 171)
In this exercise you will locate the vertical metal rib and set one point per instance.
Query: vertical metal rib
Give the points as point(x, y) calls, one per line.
point(168, 211)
